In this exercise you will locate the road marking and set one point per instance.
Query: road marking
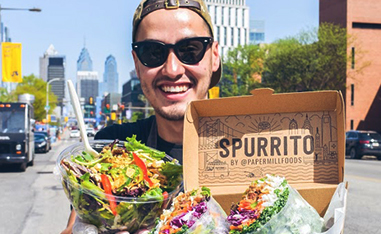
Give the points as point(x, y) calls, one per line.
point(362, 178)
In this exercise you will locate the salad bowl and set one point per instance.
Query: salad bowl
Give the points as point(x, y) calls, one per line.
point(124, 188)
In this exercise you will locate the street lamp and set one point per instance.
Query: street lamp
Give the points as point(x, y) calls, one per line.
point(14, 9)
point(47, 100)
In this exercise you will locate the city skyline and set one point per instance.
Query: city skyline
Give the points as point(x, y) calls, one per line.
point(107, 27)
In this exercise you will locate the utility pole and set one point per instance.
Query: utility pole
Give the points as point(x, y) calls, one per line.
point(1, 31)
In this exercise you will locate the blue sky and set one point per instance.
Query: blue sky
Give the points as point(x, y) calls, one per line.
point(106, 25)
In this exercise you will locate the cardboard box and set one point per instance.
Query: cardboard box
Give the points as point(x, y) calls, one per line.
point(229, 142)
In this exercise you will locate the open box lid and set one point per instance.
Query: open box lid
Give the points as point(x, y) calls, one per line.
point(230, 142)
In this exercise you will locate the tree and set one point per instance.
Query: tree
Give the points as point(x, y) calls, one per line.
point(37, 87)
point(242, 68)
point(7, 97)
point(313, 60)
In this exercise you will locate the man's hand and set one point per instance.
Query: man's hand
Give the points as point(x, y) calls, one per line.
point(84, 228)
point(70, 223)
point(67, 231)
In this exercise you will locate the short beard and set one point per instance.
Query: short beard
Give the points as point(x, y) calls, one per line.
point(170, 116)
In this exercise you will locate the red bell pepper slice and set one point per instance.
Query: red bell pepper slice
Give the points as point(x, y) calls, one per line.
point(143, 167)
point(107, 187)
point(165, 195)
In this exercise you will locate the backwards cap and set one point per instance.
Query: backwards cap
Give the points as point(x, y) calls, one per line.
point(147, 6)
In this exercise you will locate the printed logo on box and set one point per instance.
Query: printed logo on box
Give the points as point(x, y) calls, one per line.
point(300, 146)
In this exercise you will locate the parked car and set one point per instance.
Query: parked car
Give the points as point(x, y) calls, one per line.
point(47, 137)
point(41, 143)
point(74, 127)
point(90, 131)
point(74, 133)
point(359, 143)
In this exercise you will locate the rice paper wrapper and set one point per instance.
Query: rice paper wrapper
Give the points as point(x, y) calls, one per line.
point(299, 217)
point(296, 217)
point(212, 221)
point(335, 215)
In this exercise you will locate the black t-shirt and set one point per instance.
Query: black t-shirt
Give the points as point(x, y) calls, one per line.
point(142, 130)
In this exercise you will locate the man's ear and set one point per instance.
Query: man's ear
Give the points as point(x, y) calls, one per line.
point(136, 62)
point(215, 56)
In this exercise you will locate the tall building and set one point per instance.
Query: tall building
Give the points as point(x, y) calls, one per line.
point(110, 76)
point(130, 94)
point(231, 23)
point(56, 69)
point(87, 79)
point(84, 62)
point(52, 65)
point(44, 62)
point(87, 83)
point(362, 96)
point(5, 33)
point(257, 32)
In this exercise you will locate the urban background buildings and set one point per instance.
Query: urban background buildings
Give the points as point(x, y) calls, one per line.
point(101, 93)
point(362, 19)
point(52, 66)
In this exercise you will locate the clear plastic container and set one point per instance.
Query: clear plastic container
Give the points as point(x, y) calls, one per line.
point(133, 213)
point(296, 217)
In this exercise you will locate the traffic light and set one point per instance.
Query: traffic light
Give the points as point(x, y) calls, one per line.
point(91, 100)
point(49, 118)
point(106, 108)
point(66, 119)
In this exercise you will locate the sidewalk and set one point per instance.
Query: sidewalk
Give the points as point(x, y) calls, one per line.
point(51, 207)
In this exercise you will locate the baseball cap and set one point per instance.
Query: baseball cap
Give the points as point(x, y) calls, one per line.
point(147, 6)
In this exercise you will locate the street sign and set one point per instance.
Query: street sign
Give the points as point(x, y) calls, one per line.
point(53, 119)
point(47, 108)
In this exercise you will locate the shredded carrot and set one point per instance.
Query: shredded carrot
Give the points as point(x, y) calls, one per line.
point(239, 227)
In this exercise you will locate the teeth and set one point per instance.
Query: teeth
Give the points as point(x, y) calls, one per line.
point(174, 89)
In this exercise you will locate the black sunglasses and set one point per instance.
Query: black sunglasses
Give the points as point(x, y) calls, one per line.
point(188, 51)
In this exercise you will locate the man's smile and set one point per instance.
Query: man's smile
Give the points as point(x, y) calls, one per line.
point(175, 88)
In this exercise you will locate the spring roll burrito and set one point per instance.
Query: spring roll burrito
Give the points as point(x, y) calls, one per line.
point(270, 205)
point(192, 212)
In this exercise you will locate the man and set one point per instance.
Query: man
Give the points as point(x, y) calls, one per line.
point(177, 61)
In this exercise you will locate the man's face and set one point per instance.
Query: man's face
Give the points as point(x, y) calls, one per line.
point(172, 85)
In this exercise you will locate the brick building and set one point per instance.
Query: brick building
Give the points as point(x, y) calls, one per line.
point(362, 18)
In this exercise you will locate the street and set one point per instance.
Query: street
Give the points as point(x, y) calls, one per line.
point(34, 202)
point(364, 193)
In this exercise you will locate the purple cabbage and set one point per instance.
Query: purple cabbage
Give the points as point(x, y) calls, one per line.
point(177, 221)
point(199, 209)
point(236, 218)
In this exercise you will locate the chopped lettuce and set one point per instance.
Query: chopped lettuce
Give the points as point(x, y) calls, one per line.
point(171, 171)
point(133, 145)
point(265, 216)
